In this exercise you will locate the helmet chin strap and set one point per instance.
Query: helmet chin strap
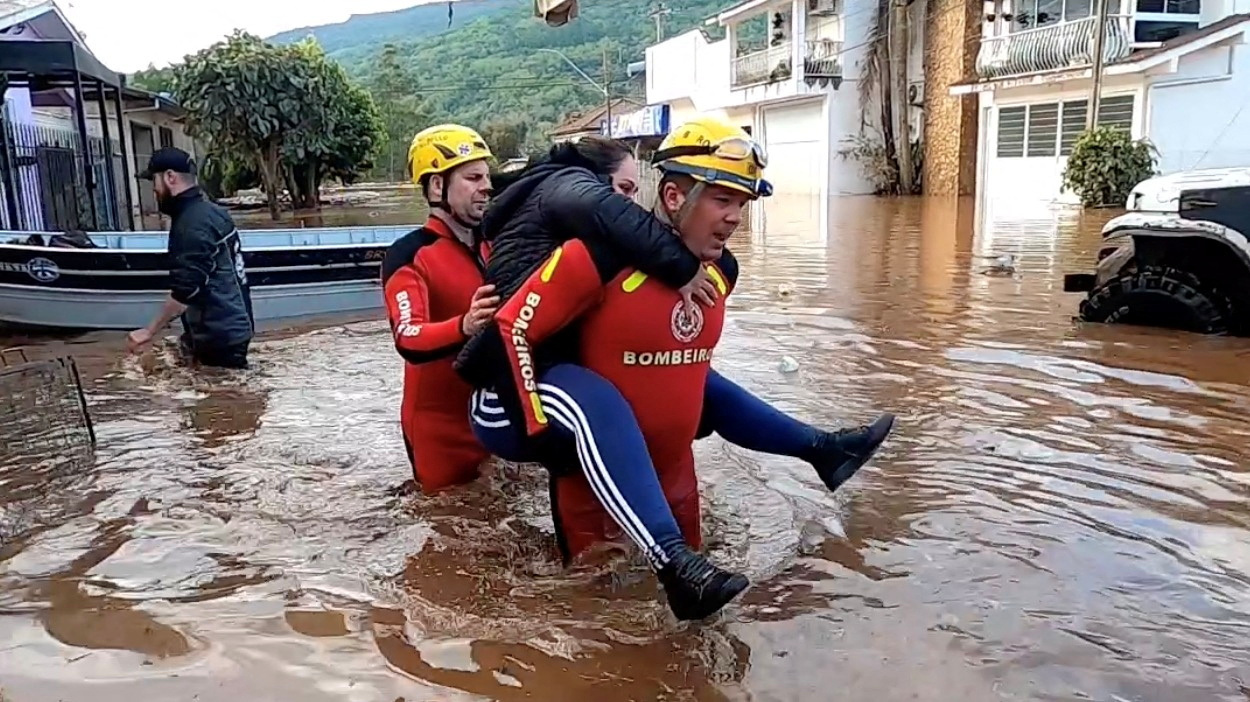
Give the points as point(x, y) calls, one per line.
point(686, 206)
point(445, 208)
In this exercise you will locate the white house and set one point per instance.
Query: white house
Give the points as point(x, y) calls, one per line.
point(53, 171)
point(1177, 73)
point(788, 72)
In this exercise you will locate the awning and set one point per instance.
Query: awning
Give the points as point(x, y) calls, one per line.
point(50, 64)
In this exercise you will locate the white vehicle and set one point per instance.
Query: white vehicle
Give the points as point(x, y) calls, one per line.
point(1178, 259)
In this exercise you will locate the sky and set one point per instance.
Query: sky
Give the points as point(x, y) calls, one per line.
point(127, 35)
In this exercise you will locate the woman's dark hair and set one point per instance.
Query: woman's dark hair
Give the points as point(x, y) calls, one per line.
point(599, 155)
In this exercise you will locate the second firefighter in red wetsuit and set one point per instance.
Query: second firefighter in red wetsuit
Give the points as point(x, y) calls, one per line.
point(436, 299)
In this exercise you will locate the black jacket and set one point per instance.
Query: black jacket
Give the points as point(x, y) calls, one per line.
point(549, 204)
point(555, 202)
point(206, 272)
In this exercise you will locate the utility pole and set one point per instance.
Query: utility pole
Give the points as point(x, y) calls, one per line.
point(607, 89)
point(1100, 39)
point(658, 14)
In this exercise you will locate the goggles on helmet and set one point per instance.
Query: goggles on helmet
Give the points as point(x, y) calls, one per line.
point(731, 149)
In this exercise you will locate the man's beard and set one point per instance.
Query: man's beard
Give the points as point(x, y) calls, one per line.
point(164, 202)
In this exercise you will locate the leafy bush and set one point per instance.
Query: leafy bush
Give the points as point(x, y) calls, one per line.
point(1105, 164)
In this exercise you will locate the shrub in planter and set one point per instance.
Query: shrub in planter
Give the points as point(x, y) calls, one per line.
point(1105, 165)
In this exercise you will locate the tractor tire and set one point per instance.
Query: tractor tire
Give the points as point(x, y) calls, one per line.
point(1159, 297)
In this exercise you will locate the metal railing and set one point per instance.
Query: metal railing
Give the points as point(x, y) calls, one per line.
point(1053, 47)
point(767, 66)
point(43, 180)
point(822, 59)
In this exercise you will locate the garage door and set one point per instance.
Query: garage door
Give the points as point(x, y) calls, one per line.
point(792, 135)
point(1029, 148)
point(794, 138)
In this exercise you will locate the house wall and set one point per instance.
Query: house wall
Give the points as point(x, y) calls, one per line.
point(64, 118)
point(1192, 111)
point(1029, 185)
point(692, 75)
point(689, 67)
point(1197, 117)
point(1212, 11)
point(952, 39)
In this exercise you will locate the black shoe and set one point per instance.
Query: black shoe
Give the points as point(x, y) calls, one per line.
point(839, 454)
point(696, 588)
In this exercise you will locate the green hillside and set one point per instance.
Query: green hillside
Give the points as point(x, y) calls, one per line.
point(490, 67)
point(361, 35)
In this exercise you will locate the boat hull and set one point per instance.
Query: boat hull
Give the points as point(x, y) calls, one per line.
point(70, 309)
point(292, 274)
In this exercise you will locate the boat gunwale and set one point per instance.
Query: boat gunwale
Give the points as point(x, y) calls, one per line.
point(341, 283)
point(165, 251)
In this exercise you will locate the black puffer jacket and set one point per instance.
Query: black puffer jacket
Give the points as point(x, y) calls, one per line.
point(550, 203)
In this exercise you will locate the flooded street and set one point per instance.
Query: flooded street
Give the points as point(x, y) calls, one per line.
point(1062, 512)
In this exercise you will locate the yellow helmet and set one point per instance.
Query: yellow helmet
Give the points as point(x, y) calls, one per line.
point(443, 147)
point(715, 152)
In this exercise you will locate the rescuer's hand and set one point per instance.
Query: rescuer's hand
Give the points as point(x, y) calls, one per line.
point(699, 288)
point(481, 310)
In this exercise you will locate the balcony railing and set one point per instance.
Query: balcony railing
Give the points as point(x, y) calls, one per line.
point(822, 59)
point(1063, 45)
point(768, 66)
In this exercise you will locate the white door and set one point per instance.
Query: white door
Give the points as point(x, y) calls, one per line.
point(1023, 173)
point(794, 136)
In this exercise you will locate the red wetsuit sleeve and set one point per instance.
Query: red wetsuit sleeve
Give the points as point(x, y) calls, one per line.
point(417, 338)
point(566, 285)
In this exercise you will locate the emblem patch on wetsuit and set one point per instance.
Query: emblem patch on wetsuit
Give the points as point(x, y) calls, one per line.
point(686, 326)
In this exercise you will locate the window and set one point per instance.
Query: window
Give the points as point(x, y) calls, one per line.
point(1048, 129)
point(1161, 20)
point(167, 137)
point(1011, 132)
point(1171, 7)
point(1078, 9)
point(1031, 14)
point(1072, 126)
point(1149, 31)
point(1116, 112)
point(1043, 129)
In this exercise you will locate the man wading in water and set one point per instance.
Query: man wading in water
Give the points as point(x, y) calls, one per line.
point(207, 283)
point(630, 387)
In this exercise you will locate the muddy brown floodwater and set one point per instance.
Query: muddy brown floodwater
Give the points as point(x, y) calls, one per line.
point(1062, 513)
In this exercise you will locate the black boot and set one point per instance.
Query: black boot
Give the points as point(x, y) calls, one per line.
point(695, 587)
point(839, 454)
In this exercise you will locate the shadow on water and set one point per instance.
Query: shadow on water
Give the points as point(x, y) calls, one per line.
point(1061, 514)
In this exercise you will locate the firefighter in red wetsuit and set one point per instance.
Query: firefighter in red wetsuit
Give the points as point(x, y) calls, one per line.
point(436, 299)
point(642, 389)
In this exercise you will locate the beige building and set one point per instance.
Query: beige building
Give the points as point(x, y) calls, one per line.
point(61, 172)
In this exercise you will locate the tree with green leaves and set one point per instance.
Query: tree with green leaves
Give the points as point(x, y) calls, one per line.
point(506, 137)
point(288, 111)
point(1106, 164)
point(154, 80)
point(339, 133)
point(403, 113)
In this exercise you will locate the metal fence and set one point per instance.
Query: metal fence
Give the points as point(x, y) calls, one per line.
point(49, 185)
point(44, 422)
